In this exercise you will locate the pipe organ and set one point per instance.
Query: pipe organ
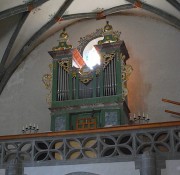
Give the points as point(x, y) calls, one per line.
point(87, 98)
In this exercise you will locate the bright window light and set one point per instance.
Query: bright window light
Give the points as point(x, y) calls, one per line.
point(91, 58)
point(90, 55)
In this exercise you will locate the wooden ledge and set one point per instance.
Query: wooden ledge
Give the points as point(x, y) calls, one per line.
point(91, 131)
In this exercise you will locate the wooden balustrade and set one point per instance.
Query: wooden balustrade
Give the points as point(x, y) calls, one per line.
point(91, 131)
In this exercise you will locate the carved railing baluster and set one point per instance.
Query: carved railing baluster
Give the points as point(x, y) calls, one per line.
point(104, 144)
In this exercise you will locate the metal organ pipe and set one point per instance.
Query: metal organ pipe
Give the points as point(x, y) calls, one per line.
point(62, 84)
point(109, 79)
point(74, 87)
point(86, 91)
point(97, 87)
point(112, 78)
point(65, 82)
point(80, 90)
point(58, 84)
point(61, 81)
point(90, 93)
point(104, 88)
point(114, 68)
point(111, 75)
point(107, 82)
point(67, 90)
point(65, 85)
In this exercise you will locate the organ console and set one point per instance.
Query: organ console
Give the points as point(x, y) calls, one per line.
point(86, 97)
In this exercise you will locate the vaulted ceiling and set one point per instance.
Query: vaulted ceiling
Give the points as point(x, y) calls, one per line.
point(24, 24)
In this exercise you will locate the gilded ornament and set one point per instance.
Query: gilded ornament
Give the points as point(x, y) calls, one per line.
point(47, 80)
point(124, 89)
point(86, 80)
point(85, 40)
point(98, 70)
point(85, 74)
point(65, 64)
point(108, 27)
point(109, 35)
point(63, 38)
point(74, 74)
point(126, 71)
point(107, 58)
point(122, 57)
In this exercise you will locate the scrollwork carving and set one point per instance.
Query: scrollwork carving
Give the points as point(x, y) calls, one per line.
point(47, 80)
point(65, 64)
point(107, 58)
point(85, 75)
point(126, 71)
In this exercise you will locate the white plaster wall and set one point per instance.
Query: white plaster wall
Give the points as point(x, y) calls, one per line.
point(172, 168)
point(154, 49)
point(128, 168)
point(24, 98)
point(2, 172)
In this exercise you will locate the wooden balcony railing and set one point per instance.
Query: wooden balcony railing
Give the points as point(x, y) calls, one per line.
point(120, 142)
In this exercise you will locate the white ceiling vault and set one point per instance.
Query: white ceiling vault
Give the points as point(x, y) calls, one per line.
point(26, 23)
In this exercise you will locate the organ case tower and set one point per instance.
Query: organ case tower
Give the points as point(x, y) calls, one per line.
point(84, 97)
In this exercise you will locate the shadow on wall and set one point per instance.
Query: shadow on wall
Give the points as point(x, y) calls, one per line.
point(81, 173)
point(138, 88)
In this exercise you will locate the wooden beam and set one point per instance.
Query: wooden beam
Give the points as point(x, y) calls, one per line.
point(21, 8)
point(13, 11)
point(13, 37)
point(118, 8)
point(170, 101)
point(172, 112)
point(172, 19)
point(94, 14)
point(175, 4)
